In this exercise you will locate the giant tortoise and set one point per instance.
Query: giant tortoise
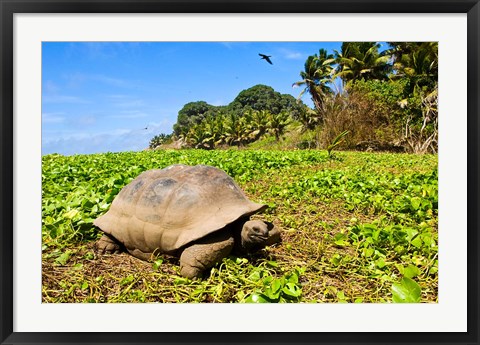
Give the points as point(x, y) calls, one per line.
point(197, 213)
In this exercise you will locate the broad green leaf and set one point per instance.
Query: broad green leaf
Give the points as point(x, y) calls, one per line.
point(256, 275)
point(380, 263)
point(417, 242)
point(273, 292)
point(416, 202)
point(71, 214)
point(411, 271)
point(400, 250)
point(369, 252)
point(157, 263)
point(63, 258)
point(277, 285)
point(272, 263)
point(411, 233)
point(341, 239)
point(407, 291)
point(292, 290)
point(240, 261)
point(293, 277)
point(256, 298)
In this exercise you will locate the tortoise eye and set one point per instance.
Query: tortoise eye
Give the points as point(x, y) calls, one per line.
point(259, 230)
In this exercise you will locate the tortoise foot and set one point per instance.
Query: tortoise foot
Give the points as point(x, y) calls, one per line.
point(107, 245)
point(204, 254)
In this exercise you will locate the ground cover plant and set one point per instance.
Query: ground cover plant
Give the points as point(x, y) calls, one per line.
point(357, 227)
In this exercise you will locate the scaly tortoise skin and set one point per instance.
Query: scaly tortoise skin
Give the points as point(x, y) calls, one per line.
point(197, 213)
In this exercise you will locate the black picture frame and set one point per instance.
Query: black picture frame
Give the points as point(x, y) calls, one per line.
point(10, 7)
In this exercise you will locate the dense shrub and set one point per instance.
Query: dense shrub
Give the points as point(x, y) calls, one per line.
point(367, 121)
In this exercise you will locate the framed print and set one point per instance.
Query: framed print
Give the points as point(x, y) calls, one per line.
point(239, 172)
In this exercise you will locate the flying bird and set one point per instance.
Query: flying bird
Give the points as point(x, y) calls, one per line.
point(267, 58)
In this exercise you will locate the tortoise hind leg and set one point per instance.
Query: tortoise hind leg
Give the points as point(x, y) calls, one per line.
point(205, 253)
point(107, 245)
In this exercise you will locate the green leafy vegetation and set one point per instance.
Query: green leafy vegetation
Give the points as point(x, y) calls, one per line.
point(360, 228)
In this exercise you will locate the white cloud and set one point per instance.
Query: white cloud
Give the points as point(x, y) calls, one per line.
point(291, 55)
point(295, 56)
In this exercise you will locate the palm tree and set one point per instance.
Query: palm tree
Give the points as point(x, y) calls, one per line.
point(277, 123)
point(361, 60)
point(308, 118)
point(316, 77)
point(210, 132)
point(156, 141)
point(417, 61)
point(235, 129)
point(256, 123)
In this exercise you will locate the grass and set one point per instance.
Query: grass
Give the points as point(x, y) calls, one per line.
point(359, 228)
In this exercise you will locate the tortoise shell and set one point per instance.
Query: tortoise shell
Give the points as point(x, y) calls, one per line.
point(166, 209)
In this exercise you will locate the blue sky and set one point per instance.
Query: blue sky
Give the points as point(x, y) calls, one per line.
point(100, 96)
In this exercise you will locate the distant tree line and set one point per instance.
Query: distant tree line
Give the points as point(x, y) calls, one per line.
point(255, 112)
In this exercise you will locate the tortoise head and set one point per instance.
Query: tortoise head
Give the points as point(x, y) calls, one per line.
point(257, 234)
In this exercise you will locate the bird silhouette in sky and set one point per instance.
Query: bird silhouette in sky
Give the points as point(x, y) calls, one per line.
point(267, 58)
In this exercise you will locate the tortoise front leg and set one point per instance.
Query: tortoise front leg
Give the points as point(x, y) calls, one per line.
point(107, 245)
point(205, 253)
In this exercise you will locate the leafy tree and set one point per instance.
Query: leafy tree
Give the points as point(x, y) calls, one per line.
point(257, 123)
point(236, 130)
point(416, 61)
point(309, 119)
point(277, 123)
point(316, 77)
point(159, 140)
point(191, 113)
point(263, 97)
point(361, 60)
